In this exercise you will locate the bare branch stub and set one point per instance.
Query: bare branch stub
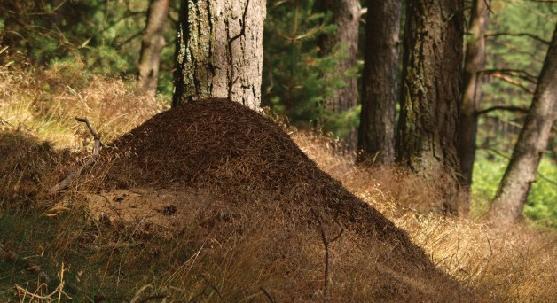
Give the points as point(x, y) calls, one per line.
point(64, 184)
point(94, 134)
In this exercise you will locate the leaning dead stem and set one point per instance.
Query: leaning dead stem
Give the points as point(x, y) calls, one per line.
point(54, 296)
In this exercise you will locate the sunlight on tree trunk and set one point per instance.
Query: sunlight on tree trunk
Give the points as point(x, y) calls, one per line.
point(220, 51)
point(427, 127)
point(532, 142)
point(152, 45)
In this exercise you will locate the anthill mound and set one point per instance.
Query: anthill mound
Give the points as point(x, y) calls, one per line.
point(227, 147)
point(241, 157)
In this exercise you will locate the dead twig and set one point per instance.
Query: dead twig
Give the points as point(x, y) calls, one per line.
point(326, 242)
point(57, 293)
point(64, 184)
point(94, 134)
point(267, 295)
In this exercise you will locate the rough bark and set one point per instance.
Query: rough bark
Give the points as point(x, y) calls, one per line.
point(376, 137)
point(152, 45)
point(532, 142)
point(431, 85)
point(431, 93)
point(220, 51)
point(472, 94)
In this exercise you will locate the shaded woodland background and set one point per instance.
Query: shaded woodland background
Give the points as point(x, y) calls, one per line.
point(305, 69)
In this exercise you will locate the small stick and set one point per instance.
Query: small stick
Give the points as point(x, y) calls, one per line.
point(326, 243)
point(94, 134)
point(75, 174)
point(267, 295)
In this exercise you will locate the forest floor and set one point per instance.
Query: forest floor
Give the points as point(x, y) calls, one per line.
point(265, 213)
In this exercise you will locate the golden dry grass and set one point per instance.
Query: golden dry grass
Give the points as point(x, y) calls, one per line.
point(145, 261)
point(45, 102)
point(512, 264)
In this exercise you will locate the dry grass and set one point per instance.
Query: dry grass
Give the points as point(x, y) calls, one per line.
point(214, 258)
point(517, 264)
point(45, 102)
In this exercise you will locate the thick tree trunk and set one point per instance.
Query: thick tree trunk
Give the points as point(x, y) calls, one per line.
point(152, 45)
point(220, 51)
point(346, 17)
point(431, 85)
point(431, 93)
point(532, 141)
point(376, 137)
point(468, 121)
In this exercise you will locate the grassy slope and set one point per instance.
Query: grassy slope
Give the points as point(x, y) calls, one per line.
point(101, 261)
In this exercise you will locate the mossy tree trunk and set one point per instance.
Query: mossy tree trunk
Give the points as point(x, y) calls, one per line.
point(220, 51)
point(431, 85)
point(532, 142)
point(376, 137)
point(431, 92)
point(468, 120)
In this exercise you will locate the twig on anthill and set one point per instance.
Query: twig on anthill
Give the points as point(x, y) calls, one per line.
point(64, 184)
point(326, 242)
point(94, 134)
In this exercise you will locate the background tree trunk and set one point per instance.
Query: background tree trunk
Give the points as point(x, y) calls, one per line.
point(376, 138)
point(220, 51)
point(468, 120)
point(152, 45)
point(346, 17)
point(532, 141)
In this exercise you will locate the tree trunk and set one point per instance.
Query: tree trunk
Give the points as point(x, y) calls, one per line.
point(152, 45)
point(532, 141)
point(220, 51)
point(376, 138)
point(431, 85)
point(346, 17)
point(468, 121)
point(431, 93)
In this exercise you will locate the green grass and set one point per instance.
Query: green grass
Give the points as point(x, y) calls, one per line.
point(541, 207)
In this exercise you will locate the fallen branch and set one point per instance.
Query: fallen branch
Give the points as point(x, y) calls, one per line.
point(64, 184)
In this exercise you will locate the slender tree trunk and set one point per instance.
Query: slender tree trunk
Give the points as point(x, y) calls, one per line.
point(427, 127)
point(346, 17)
point(376, 138)
point(532, 141)
point(468, 121)
point(152, 45)
point(220, 51)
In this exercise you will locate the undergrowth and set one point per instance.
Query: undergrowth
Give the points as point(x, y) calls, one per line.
point(53, 248)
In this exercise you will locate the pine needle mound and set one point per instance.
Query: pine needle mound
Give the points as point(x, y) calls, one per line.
point(267, 184)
